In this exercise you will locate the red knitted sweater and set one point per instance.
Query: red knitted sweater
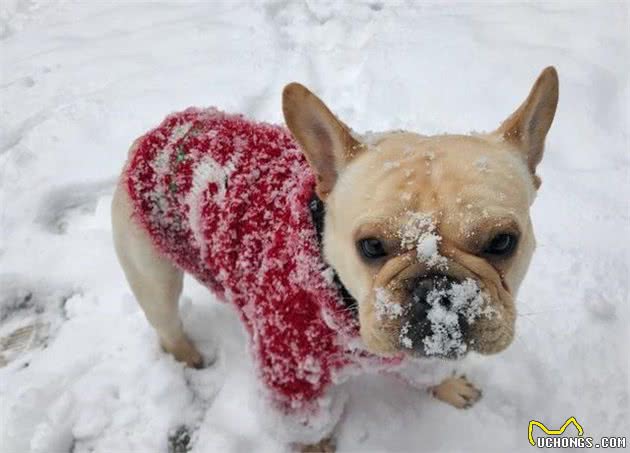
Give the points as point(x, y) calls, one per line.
point(227, 199)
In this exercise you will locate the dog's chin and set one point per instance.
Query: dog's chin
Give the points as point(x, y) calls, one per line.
point(381, 344)
point(483, 348)
point(422, 354)
point(490, 340)
point(496, 344)
point(382, 347)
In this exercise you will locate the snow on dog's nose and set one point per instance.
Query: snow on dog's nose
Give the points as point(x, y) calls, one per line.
point(439, 314)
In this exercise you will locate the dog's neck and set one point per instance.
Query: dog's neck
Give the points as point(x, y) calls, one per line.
point(318, 213)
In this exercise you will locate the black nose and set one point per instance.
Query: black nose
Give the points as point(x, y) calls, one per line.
point(418, 326)
point(429, 286)
point(426, 292)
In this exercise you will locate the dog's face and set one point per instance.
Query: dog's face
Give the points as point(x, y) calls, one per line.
point(431, 235)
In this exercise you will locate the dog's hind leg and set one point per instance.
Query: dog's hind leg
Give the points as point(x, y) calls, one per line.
point(155, 282)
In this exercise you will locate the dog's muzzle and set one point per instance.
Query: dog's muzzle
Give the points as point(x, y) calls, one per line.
point(436, 323)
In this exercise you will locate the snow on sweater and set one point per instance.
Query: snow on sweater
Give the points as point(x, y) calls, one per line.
point(227, 200)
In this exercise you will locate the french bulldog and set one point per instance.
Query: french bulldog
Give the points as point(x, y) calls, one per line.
point(396, 245)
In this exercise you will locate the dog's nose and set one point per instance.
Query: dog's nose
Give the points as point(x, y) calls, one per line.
point(426, 294)
point(419, 326)
point(421, 290)
point(434, 287)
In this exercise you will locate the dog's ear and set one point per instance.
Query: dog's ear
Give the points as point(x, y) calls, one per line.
point(326, 142)
point(527, 127)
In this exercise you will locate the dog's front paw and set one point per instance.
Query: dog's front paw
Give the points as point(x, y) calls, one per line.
point(456, 391)
point(323, 446)
point(184, 351)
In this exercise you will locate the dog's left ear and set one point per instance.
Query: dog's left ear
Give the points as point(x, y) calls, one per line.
point(528, 126)
point(326, 142)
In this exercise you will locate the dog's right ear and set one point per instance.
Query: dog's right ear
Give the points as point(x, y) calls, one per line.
point(326, 142)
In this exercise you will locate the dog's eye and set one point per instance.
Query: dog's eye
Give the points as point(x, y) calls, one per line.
point(501, 245)
point(371, 248)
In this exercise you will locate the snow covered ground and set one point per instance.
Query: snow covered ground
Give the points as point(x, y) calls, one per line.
point(80, 81)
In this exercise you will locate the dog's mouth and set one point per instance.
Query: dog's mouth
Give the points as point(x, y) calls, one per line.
point(424, 312)
point(438, 316)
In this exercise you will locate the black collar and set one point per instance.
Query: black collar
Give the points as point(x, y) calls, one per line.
point(318, 213)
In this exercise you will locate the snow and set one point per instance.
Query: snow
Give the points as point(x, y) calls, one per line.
point(466, 301)
point(420, 233)
point(79, 82)
point(405, 340)
point(208, 170)
point(384, 306)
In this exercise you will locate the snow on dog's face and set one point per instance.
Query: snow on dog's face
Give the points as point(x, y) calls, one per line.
point(431, 235)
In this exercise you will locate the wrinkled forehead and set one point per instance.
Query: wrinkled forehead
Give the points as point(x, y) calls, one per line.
point(458, 179)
